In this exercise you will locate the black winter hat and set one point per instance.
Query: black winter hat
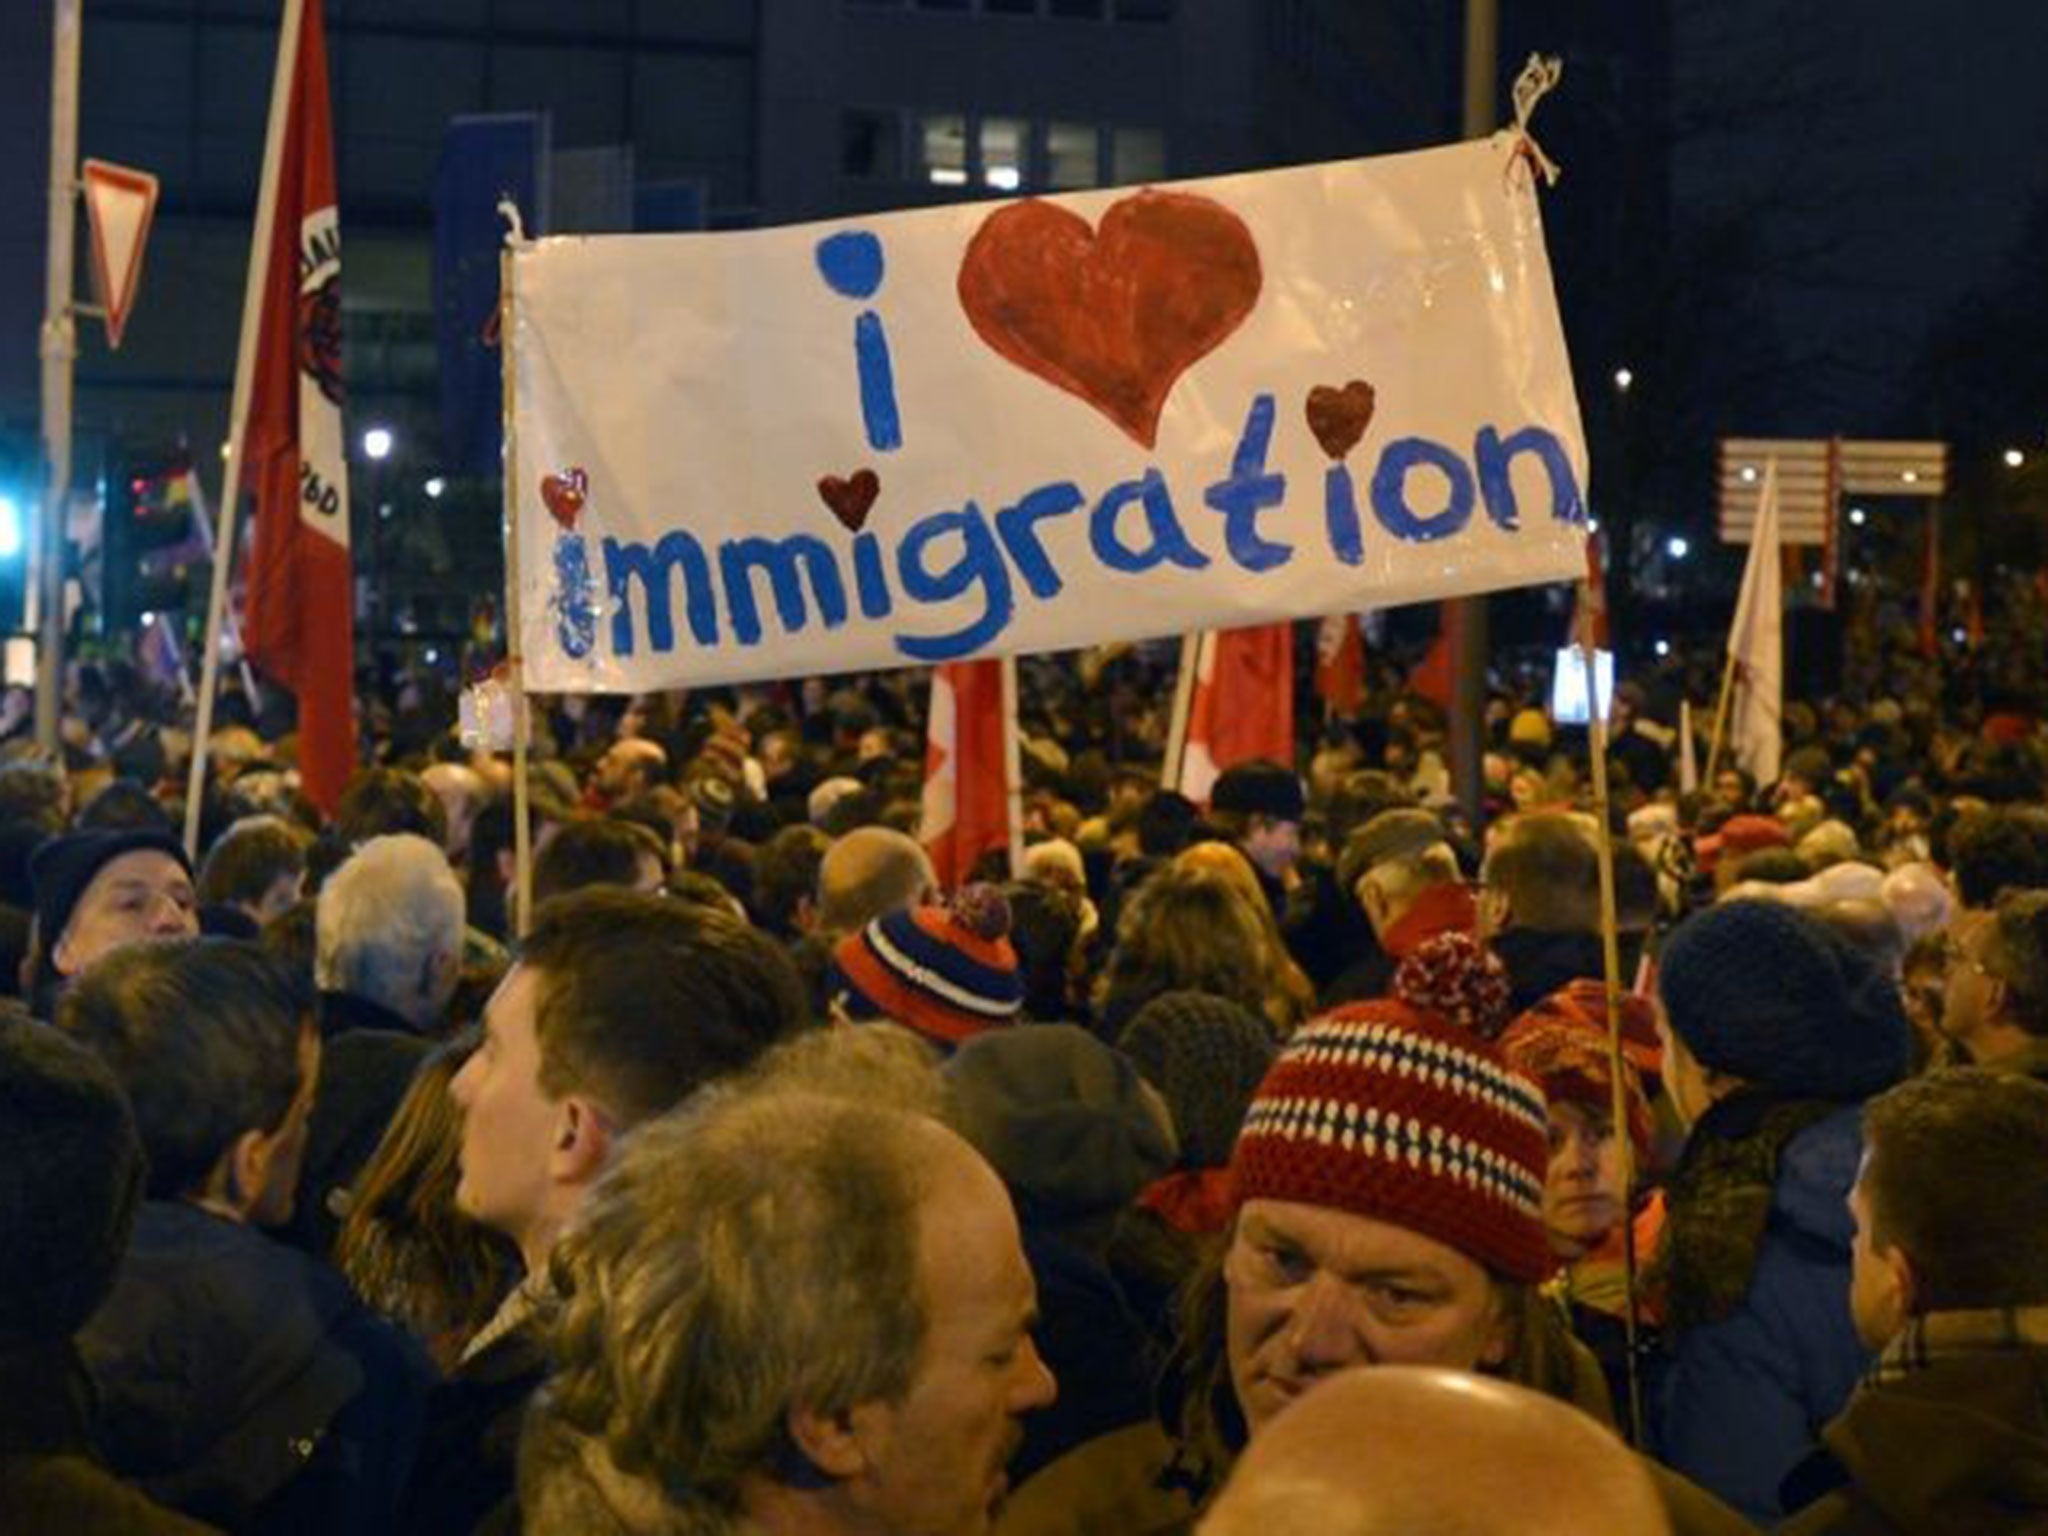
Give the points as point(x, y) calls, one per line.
point(1066, 1121)
point(70, 1173)
point(64, 866)
point(1763, 992)
point(1206, 1055)
point(1260, 788)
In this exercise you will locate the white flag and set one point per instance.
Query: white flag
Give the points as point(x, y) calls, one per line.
point(1756, 643)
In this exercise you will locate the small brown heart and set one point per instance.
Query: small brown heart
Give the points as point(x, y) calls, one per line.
point(852, 498)
point(564, 495)
point(1339, 417)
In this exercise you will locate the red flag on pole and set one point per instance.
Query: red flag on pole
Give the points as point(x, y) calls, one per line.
point(1930, 586)
point(1243, 704)
point(300, 624)
point(1340, 664)
point(966, 770)
point(1589, 614)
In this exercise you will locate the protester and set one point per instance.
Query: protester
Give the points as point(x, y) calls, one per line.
point(1541, 900)
point(1995, 996)
point(792, 1315)
point(1450, 1452)
point(948, 973)
point(239, 1381)
point(1775, 1032)
point(258, 866)
point(71, 1174)
point(1950, 1282)
point(1401, 870)
point(1185, 929)
point(98, 891)
point(619, 1006)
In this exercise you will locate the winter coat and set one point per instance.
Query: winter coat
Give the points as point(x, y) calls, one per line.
point(466, 1473)
point(1948, 1438)
point(241, 1383)
point(50, 1477)
point(1540, 961)
point(1763, 1351)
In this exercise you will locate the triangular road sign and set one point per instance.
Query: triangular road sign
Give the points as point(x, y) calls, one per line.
point(119, 203)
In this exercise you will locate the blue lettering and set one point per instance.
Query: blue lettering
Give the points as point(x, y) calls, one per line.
point(1169, 539)
point(980, 561)
point(875, 601)
point(877, 383)
point(1340, 511)
point(1495, 457)
point(786, 561)
point(622, 562)
point(1249, 491)
point(575, 613)
point(1017, 527)
point(1390, 490)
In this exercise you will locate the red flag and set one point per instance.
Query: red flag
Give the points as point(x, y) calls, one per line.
point(301, 627)
point(1930, 587)
point(1431, 676)
point(1340, 664)
point(966, 769)
point(1242, 706)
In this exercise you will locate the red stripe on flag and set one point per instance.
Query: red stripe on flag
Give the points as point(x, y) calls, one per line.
point(966, 787)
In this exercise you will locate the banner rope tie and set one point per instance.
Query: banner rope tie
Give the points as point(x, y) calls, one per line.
point(1539, 77)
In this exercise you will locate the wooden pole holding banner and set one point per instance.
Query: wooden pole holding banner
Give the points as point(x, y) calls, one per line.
point(1013, 770)
point(1720, 720)
point(515, 660)
point(1610, 966)
point(1183, 702)
point(238, 413)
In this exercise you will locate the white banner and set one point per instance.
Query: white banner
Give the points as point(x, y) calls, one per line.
point(1033, 425)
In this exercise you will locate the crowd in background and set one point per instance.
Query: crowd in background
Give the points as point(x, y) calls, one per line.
point(755, 1183)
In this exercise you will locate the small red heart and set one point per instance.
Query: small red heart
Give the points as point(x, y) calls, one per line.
point(852, 498)
point(564, 494)
point(1339, 417)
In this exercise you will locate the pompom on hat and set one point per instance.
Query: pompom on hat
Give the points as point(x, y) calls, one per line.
point(1386, 1112)
point(947, 972)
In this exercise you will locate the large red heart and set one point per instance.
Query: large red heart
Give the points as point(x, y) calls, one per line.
point(851, 498)
point(1113, 315)
point(1339, 417)
point(564, 495)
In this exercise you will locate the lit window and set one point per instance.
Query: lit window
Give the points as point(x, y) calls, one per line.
point(1137, 154)
point(942, 149)
point(1003, 141)
point(1070, 156)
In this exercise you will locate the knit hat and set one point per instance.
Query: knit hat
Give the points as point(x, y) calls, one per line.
point(70, 1174)
point(1206, 1055)
point(64, 866)
point(1068, 1122)
point(946, 972)
point(1530, 728)
point(1741, 835)
point(1765, 993)
point(1583, 1003)
point(1260, 788)
point(1556, 1044)
point(1389, 1113)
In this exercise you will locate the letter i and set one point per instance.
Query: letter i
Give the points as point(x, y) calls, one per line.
point(851, 264)
point(1340, 511)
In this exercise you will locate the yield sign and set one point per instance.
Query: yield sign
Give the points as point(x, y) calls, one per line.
point(118, 206)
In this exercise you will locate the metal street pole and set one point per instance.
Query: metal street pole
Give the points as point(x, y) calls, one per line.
point(1465, 618)
point(59, 352)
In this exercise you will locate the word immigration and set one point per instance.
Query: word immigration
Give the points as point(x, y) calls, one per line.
point(1421, 491)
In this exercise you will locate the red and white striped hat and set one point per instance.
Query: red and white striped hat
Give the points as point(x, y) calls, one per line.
point(1392, 1113)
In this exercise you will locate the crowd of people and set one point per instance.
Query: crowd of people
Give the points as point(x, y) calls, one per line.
point(1280, 1164)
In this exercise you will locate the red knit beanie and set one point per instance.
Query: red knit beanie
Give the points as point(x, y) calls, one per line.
point(1387, 1112)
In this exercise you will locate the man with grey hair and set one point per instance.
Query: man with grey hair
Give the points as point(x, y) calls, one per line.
point(387, 955)
point(1400, 868)
point(786, 1312)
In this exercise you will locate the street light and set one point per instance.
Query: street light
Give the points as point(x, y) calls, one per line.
point(435, 487)
point(1677, 546)
point(2014, 458)
point(377, 443)
point(1857, 516)
point(1623, 378)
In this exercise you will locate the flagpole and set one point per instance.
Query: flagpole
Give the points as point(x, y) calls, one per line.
point(1013, 768)
point(1183, 701)
point(1720, 718)
point(515, 658)
point(59, 350)
point(1610, 958)
point(238, 411)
